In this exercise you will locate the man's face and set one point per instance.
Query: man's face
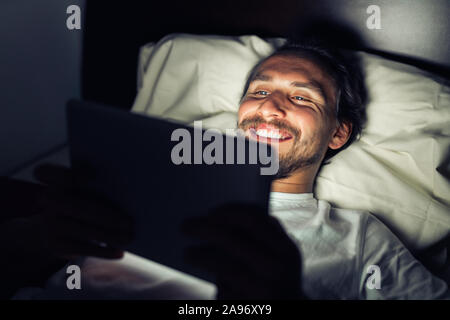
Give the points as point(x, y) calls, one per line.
point(295, 99)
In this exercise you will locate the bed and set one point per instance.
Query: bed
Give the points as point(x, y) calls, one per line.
point(402, 173)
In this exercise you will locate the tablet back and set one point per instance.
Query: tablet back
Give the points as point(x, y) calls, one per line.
point(135, 164)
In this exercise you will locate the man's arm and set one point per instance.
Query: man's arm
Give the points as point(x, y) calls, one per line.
point(18, 202)
point(19, 268)
point(42, 229)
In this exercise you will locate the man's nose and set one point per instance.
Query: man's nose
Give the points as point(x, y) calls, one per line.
point(272, 107)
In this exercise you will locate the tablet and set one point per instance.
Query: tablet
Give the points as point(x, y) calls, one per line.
point(162, 172)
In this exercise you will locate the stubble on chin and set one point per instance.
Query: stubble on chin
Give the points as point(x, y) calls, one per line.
point(297, 158)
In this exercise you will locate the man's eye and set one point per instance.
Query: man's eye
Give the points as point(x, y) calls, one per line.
point(262, 93)
point(301, 100)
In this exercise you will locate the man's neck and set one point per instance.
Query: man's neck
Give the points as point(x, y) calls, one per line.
point(299, 182)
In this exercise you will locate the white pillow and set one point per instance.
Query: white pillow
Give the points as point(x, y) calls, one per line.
point(396, 171)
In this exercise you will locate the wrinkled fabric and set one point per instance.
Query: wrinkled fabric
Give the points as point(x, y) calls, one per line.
point(338, 246)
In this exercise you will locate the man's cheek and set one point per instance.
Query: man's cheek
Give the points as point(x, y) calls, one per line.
point(247, 108)
point(244, 108)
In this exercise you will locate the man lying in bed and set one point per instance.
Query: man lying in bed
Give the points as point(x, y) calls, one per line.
point(313, 102)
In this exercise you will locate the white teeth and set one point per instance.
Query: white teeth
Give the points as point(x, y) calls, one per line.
point(268, 134)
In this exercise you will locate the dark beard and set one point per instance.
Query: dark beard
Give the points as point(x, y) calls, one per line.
point(292, 161)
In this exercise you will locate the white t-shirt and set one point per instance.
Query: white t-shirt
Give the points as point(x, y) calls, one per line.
point(337, 247)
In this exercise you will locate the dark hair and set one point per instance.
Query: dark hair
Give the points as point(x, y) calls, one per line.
point(346, 73)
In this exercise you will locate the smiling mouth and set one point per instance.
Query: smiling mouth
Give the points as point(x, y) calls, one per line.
point(268, 133)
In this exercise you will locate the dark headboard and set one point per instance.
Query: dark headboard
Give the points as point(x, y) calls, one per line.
point(413, 31)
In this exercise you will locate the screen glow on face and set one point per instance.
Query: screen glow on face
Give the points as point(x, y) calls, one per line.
point(287, 100)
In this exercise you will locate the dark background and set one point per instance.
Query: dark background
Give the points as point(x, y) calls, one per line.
point(409, 28)
point(43, 64)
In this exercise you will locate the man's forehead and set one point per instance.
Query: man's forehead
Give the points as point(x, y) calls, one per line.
point(291, 64)
point(304, 69)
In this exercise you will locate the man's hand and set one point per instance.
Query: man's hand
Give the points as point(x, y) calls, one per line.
point(69, 221)
point(249, 251)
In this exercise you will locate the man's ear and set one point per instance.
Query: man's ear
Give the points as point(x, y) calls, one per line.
point(341, 135)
